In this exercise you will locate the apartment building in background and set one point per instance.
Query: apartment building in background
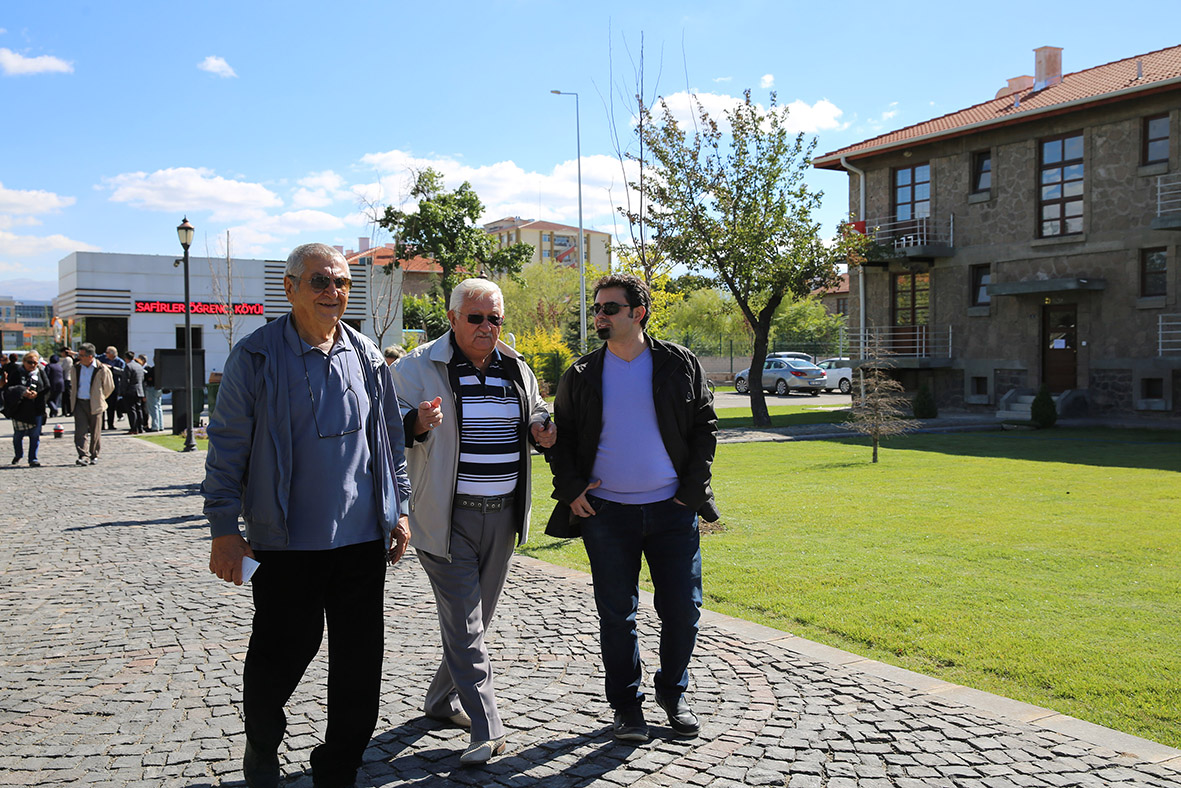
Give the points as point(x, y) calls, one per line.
point(552, 241)
point(1030, 239)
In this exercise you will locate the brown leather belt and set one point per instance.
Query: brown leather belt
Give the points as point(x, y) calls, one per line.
point(483, 503)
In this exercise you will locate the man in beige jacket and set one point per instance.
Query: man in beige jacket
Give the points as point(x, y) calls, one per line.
point(91, 383)
point(470, 409)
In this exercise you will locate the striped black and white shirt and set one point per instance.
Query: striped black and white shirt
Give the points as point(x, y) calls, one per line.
point(489, 428)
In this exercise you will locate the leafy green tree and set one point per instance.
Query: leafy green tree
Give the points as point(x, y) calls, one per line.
point(444, 228)
point(424, 313)
point(734, 202)
point(544, 297)
point(804, 324)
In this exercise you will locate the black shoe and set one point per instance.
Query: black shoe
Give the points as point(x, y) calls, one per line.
point(261, 770)
point(680, 717)
point(34, 464)
point(81, 461)
point(15, 461)
point(629, 724)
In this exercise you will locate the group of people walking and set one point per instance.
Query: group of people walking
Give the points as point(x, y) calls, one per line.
point(337, 462)
point(80, 384)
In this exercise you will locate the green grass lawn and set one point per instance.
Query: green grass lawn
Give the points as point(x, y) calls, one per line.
point(174, 442)
point(1041, 566)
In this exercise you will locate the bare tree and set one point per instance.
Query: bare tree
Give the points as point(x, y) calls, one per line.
point(385, 287)
point(221, 273)
point(880, 411)
point(631, 95)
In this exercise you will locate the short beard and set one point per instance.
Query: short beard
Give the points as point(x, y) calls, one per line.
point(604, 333)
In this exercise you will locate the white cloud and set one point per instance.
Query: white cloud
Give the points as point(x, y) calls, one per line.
point(13, 245)
point(259, 236)
point(891, 112)
point(217, 66)
point(320, 189)
point(723, 79)
point(15, 64)
point(768, 81)
point(802, 116)
point(19, 201)
point(185, 189)
point(508, 190)
point(8, 222)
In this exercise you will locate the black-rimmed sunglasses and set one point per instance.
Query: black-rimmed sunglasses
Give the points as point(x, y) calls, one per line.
point(476, 319)
point(319, 282)
point(609, 308)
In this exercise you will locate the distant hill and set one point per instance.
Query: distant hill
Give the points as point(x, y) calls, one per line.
point(29, 289)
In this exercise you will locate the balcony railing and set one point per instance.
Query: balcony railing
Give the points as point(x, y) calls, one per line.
point(1168, 194)
point(1168, 335)
point(902, 341)
point(912, 233)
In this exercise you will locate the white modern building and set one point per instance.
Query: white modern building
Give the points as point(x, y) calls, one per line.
point(137, 301)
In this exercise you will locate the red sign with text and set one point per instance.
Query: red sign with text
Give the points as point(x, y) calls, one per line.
point(196, 308)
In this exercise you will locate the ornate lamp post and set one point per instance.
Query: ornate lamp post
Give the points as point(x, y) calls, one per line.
point(581, 238)
point(185, 233)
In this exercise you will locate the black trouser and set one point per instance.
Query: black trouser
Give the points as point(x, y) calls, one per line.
point(136, 421)
point(293, 592)
point(112, 411)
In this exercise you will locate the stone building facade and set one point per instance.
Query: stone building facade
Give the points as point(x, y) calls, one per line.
point(1031, 240)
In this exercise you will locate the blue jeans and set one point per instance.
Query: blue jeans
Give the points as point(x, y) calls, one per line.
point(665, 533)
point(34, 434)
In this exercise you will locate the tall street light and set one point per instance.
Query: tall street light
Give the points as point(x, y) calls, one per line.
point(581, 239)
point(185, 233)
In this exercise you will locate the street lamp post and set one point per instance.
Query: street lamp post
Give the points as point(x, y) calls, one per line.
point(185, 233)
point(581, 238)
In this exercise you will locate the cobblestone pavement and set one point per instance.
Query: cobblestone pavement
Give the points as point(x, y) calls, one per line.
point(120, 665)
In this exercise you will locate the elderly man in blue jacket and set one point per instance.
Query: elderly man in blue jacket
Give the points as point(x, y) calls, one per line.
point(306, 445)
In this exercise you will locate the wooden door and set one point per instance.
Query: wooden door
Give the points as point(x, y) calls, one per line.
point(1060, 347)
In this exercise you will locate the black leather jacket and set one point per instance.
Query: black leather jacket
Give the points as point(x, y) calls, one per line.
point(684, 415)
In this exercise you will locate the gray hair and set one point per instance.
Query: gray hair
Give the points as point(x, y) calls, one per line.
point(32, 354)
point(88, 348)
point(297, 260)
point(474, 288)
point(394, 351)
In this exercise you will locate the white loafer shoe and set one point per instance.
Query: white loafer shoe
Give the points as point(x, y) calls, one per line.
point(482, 751)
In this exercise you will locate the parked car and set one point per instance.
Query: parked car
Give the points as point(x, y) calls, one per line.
point(784, 375)
point(837, 374)
point(791, 354)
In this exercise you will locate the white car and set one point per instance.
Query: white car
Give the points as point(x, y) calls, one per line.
point(837, 376)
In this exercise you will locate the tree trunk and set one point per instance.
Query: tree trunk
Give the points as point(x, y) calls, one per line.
point(758, 399)
point(875, 448)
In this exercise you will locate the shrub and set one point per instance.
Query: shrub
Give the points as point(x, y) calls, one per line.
point(547, 355)
point(924, 406)
point(1042, 412)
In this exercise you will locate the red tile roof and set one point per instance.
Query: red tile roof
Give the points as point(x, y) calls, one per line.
point(1160, 70)
point(383, 255)
point(842, 286)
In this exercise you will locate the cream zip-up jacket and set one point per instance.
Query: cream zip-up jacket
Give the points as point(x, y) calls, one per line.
point(433, 462)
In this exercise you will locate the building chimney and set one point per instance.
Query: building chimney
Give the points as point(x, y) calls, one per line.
point(1016, 85)
point(1047, 67)
point(362, 244)
point(338, 248)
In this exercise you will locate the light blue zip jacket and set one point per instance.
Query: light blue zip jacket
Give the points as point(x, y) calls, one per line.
point(248, 467)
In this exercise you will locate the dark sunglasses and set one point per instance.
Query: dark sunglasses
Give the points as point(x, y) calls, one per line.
point(609, 308)
point(476, 319)
point(320, 282)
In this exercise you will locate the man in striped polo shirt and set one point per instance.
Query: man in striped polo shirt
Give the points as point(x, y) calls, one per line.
point(470, 409)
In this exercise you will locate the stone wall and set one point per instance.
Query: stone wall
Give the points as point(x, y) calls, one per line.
point(1111, 392)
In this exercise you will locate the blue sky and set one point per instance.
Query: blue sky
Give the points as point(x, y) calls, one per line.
point(275, 121)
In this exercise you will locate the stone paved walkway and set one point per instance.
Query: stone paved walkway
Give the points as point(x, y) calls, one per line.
point(120, 665)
